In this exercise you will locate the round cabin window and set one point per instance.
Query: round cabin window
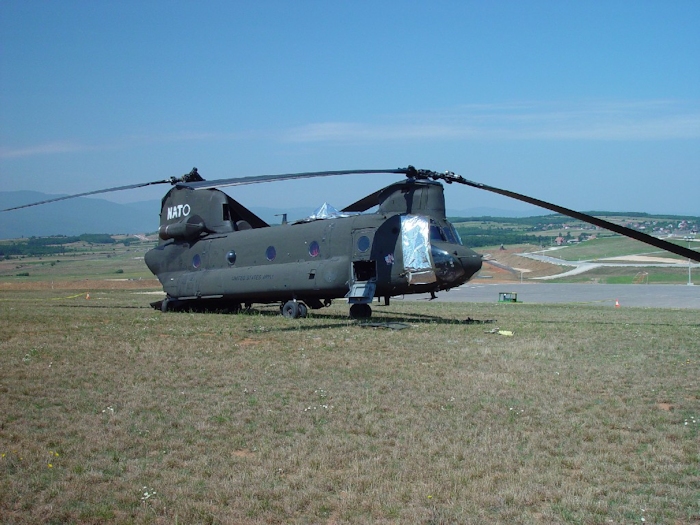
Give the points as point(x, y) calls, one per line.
point(363, 243)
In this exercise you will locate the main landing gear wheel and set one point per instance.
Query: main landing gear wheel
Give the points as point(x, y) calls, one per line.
point(303, 310)
point(294, 309)
point(360, 311)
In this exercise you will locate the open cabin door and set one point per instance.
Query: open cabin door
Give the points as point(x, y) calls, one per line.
point(363, 280)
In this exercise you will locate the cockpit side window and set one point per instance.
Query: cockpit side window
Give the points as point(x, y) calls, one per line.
point(444, 234)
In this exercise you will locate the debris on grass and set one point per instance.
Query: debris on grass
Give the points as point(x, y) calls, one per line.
point(498, 331)
point(148, 493)
point(390, 326)
point(469, 320)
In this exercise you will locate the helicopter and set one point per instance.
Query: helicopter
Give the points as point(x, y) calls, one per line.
point(215, 254)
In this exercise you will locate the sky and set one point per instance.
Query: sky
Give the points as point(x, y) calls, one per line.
point(593, 105)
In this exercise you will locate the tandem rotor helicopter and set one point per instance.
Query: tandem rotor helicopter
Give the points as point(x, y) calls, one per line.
point(215, 254)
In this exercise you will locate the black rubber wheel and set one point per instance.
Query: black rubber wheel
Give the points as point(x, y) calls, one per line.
point(360, 311)
point(303, 310)
point(290, 309)
point(164, 305)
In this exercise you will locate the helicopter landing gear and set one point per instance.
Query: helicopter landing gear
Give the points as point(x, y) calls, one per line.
point(360, 311)
point(294, 309)
point(303, 310)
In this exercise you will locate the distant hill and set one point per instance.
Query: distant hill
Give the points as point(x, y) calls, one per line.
point(73, 217)
point(496, 212)
point(82, 215)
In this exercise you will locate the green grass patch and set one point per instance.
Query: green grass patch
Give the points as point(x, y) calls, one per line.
point(605, 247)
point(99, 262)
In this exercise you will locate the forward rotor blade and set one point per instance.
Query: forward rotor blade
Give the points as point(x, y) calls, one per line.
point(65, 197)
point(365, 203)
point(622, 230)
point(240, 181)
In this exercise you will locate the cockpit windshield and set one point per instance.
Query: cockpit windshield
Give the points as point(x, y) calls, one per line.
point(446, 233)
point(454, 234)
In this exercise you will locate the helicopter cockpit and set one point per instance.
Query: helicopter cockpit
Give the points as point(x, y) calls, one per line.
point(445, 233)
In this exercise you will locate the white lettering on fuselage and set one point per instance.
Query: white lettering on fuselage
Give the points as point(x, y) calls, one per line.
point(181, 210)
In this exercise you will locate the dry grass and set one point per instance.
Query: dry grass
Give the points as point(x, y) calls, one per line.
point(510, 257)
point(85, 285)
point(113, 412)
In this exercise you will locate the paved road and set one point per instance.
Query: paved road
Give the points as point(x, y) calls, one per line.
point(637, 295)
point(619, 262)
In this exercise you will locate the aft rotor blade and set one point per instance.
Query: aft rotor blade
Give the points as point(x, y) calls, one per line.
point(66, 197)
point(622, 230)
point(240, 181)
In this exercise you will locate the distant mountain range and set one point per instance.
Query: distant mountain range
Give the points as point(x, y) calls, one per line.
point(72, 217)
point(84, 215)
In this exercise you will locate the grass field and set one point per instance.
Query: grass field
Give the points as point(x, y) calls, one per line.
point(113, 412)
point(610, 247)
point(615, 275)
point(101, 261)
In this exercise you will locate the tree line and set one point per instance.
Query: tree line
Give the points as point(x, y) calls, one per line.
point(51, 245)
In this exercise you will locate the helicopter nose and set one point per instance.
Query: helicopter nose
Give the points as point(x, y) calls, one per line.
point(448, 268)
point(455, 268)
point(471, 262)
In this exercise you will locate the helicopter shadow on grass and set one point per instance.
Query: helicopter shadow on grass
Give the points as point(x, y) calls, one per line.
point(388, 320)
point(101, 306)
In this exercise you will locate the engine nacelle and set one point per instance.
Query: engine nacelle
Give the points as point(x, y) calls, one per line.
point(185, 230)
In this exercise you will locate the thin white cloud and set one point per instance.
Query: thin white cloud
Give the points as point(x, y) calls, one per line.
point(182, 136)
point(604, 121)
point(42, 149)
point(349, 131)
point(643, 120)
point(130, 141)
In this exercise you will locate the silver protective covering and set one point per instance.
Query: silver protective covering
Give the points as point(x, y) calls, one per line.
point(415, 241)
point(326, 211)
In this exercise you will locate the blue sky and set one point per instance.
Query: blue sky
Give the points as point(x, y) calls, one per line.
point(592, 105)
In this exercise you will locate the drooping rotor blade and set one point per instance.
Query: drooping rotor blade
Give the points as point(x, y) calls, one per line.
point(65, 197)
point(365, 203)
point(450, 177)
point(240, 181)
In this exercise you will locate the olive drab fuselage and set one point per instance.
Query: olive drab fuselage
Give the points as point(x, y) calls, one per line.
point(213, 249)
point(214, 253)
